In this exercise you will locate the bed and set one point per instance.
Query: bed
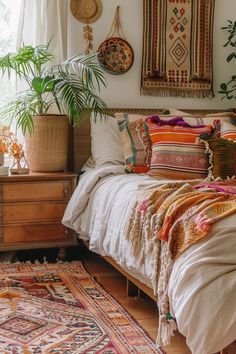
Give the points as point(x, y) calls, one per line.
point(202, 284)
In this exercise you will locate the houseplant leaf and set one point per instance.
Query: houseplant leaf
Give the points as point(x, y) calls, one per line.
point(70, 86)
point(42, 85)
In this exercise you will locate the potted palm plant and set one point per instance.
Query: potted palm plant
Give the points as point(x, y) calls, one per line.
point(68, 88)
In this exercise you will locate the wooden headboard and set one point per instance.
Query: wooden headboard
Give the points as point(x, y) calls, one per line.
point(81, 150)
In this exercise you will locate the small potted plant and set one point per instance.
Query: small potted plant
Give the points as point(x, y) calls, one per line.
point(69, 88)
point(228, 89)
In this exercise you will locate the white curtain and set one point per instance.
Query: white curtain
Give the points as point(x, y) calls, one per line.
point(42, 21)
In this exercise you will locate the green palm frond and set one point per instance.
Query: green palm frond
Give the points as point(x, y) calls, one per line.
point(76, 98)
point(71, 86)
point(27, 61)
point(87, 68)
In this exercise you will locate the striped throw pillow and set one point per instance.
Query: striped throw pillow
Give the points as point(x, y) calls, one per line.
point(136, 143)
point(175, 152)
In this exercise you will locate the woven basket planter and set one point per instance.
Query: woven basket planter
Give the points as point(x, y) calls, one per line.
point(47, 147)
point(1, 158)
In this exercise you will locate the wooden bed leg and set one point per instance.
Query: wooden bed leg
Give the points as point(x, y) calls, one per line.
point(132, 290)
point(230, 349)
point(62, 254)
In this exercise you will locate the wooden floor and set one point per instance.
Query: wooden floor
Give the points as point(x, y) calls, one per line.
point(143, 309)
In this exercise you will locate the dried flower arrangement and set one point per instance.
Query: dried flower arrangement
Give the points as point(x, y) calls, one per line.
point(10, 144)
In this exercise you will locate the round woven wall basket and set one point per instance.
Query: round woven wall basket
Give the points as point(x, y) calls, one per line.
point(47, 146)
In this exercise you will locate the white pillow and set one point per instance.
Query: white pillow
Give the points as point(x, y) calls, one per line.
point(204, 119)
point(106, 143)
point(177, 112)
point(222, 116)
point(189, 118)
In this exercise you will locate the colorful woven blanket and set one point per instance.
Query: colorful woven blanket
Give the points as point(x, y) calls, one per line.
point(170, 218)
point(226, 186)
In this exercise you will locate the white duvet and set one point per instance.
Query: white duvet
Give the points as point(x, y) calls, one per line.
point(202, 287)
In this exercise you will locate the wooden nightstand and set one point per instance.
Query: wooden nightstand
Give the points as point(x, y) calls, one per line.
point(31, 209)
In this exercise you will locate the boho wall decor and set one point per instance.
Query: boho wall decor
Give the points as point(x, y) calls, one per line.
point(115, 54)
point(177, 48)
point(87, 11)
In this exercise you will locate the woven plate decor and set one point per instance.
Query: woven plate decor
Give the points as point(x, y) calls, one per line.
point(115, 55)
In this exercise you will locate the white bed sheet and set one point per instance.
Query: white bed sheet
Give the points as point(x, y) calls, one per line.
point(99, 212)
point(202, 286)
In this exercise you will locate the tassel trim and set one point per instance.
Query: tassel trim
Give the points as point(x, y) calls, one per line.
point(167, 326)
point(162, 92)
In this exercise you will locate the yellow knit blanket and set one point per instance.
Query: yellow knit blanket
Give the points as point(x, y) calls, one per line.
point(169, 219)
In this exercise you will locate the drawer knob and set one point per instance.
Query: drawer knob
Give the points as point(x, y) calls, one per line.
point(65, 191)
point(66, 232)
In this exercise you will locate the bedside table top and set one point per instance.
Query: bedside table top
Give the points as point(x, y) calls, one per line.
point(35, 176)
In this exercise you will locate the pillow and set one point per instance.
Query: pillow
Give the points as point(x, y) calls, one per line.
point(88, 165)
point(189, 118)
point(228, 129)
point(203, 119)
point(177, 112)
point(106, 142)
point(175, 152)
point(135, 141)
point(222, 157)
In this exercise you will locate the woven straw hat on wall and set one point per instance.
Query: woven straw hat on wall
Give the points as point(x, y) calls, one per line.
point(86, 11)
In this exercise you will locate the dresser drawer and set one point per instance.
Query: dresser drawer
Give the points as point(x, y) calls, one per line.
point(35, 191)
point(31, 212)
point(35, 232)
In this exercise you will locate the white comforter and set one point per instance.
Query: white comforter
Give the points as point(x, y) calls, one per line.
point(202, 287)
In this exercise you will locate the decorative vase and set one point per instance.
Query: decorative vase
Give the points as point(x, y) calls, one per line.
point(1, 158)
point(47, 146)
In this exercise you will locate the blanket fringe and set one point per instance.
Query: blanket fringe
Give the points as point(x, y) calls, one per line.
point(166, 330)
point(183, 214)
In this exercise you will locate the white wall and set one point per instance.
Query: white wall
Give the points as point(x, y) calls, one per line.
point(123, 90)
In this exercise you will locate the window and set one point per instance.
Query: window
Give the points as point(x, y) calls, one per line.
point(9, 16)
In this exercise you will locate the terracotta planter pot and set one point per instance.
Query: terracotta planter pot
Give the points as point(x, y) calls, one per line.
point(47, 147)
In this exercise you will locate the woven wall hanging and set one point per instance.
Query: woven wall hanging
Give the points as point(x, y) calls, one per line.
point(115, 54)
point(177, 48)
point(86, 11)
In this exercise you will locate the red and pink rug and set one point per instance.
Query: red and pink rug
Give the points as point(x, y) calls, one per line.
point(58, 309)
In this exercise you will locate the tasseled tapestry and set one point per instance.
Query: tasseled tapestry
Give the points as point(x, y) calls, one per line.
point(177, 48)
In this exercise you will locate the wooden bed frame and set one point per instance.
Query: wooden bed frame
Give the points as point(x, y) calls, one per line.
point(81, 151)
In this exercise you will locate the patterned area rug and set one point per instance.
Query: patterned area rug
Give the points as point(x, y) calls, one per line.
point(60, 309)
